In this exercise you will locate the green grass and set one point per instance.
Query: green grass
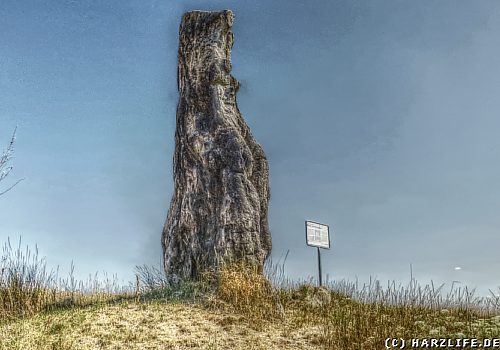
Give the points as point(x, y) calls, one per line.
point(234, 308)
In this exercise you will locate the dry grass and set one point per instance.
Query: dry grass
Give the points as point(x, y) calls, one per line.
point(27, 288)
point(247, 291)
point(237, 308)
point(346, 316)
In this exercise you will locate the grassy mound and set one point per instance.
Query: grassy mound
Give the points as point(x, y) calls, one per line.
point(237, 308)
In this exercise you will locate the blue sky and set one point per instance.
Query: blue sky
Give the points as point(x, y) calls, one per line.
point(379, 118)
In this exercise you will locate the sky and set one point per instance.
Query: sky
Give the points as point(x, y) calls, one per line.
point(378, 118)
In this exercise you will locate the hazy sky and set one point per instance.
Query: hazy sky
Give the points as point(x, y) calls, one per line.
point(379, 118)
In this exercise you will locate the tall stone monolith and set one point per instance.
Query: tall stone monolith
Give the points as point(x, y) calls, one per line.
point(221, 188)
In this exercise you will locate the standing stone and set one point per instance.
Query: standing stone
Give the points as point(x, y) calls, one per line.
point(221, 187)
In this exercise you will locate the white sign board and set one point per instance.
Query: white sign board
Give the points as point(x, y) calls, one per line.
point(317, 235)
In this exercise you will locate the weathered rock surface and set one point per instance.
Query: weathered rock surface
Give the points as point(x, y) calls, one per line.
point(221, 188)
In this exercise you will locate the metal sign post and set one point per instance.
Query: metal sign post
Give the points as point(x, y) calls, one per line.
point(318, 235)
point(319, 267)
